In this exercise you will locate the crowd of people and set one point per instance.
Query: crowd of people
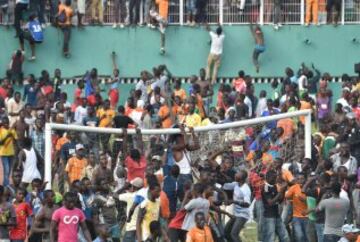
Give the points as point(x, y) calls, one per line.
point(182, 187)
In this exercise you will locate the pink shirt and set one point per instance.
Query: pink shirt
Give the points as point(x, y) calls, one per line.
point(68, 222)
point(135, 169)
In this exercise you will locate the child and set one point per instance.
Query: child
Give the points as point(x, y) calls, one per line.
point(23, 211)
point(7, 216)
point(15, 66)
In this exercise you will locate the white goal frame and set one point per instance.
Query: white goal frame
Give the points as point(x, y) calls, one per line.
point(49, 127)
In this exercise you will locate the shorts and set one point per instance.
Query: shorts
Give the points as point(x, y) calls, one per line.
point(260, 48)
point(25, 35)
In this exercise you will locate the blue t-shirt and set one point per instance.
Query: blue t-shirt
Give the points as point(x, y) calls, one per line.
point(30, 93)
point(36, 30)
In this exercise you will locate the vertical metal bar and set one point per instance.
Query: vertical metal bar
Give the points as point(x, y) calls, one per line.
point(48, 148)
point(141, 12)
point(181, 12)
point(302, 12)
point(261, 12)
point(308, 135)
point(343, 12)
point(221, 12)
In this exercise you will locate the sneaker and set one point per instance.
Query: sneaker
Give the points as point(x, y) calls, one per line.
point(276, 27)
point(279, 25)
point(121, 26)
point(43, 26)
point(188, 22)
point(152, 26)
point(306, 24)
point(32, 58)
point(149, 25)
point(162, 50)
point(114, 26)
point(193, 24)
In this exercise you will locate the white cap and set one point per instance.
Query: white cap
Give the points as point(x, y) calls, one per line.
point(79, 147)
point(349, 228)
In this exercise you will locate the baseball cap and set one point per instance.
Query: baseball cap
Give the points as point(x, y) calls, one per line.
point(156, 157)
point(79, 147)
point(137, 182)
point(349, 228)
point(350, 115)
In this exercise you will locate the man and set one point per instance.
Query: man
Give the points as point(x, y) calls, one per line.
point(102, 172)
point(11, 189)
point(105, 115)
point(22, 128)
point(81, 112)
point(75, 167)
point(42, 220)
point(7, 151)
point(241, 201)
point(65, 14)
point(28, 161)
point(259, 45)
point(20, 7)
point(273, 225)
point(336, 209)
point(66, 220)
point(128, 197)
point(344, 158)
point(300, 219)
point(14, 105)
point(91, 120)
point(197, 204)
point(38, 137)
point(32, 33)
point(200, 233)
point(351, 233)
point(192, 119)
point(161, 18)
point(214, 58)
point(149, 211)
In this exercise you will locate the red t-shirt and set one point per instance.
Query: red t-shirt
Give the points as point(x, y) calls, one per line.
point(240, 85)
point(3, 93)
point(22, 210)
point(177, 221)
point(134, 168)
point(68, 222)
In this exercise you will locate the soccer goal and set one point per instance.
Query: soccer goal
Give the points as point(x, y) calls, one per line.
point(211, 137)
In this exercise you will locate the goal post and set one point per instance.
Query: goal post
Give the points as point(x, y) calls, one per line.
point(49, 127)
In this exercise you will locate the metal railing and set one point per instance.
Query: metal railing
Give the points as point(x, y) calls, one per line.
point(229, 11)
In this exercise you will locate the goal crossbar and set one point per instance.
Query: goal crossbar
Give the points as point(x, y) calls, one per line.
point(49, 127)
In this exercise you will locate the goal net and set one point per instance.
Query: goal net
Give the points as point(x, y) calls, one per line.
point(286, 135)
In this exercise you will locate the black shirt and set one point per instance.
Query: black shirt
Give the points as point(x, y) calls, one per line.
point(270, 211)
point(122, 121)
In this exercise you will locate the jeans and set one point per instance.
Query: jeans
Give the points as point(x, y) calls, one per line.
point(97, 6)
point(201, 11)
point(147, 6)
point(233, 228)
point(320, 232)
point(38, 7)
point(134, 5)
point(67, 34)
point(53, 9)
point(182, 179)
point(259, 218)
point(120, 11)
point(331, 238)
point(272, 227)
point(19, 9)
point(129, 236)
point(7, 163)
point(299, 225)
point(176, 235)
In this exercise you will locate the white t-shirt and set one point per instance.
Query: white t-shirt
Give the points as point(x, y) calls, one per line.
point(302, 82)
point(80, 114)
point(129, 199)
point(216, 43)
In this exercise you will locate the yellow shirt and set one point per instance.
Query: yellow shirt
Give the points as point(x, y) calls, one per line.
point(152, 214)
point(193, 120)
point(107, 120)
point(7, 148)
point(76, 168)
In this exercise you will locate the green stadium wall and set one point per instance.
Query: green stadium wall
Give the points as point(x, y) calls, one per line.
point(331, 49)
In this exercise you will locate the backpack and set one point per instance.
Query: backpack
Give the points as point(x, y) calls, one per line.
point(61, 18)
